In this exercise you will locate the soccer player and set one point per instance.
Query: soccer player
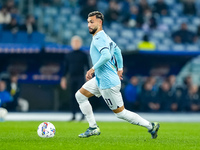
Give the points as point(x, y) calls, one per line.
point(108, 68)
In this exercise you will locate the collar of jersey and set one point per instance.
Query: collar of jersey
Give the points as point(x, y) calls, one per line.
point(98, 33)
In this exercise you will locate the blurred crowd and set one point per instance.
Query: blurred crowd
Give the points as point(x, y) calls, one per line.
point(12, 20)
point(140, 14)
point(151, 94)
point(10, 94)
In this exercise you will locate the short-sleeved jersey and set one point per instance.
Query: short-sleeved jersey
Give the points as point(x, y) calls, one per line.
point(106, 75)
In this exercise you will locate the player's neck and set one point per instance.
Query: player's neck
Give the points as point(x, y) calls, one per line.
point(100, 29)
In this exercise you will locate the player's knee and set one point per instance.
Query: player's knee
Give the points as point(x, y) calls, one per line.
point(121, 115)
point(80, 97)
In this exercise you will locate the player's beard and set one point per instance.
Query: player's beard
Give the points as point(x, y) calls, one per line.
point(93, 31)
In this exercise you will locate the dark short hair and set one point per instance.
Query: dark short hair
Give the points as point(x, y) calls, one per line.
point(97, 14)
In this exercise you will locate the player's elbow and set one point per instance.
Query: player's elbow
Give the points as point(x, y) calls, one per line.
point(107, 57)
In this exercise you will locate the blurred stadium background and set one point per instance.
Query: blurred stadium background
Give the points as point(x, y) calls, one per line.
point(160, 42)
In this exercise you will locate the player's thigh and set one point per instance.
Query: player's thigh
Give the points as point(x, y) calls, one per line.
point(92, 87)
point(113, 97)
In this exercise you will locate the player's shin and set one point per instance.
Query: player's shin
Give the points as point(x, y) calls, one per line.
point(86, 108)
point(134, 118)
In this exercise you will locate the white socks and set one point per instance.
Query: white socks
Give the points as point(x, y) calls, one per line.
point(134, 118)
point(127, 115)
point(86, 108)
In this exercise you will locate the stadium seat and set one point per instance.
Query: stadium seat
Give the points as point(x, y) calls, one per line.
point(167, 41)
point(192, 47)
point(155, 41)
point(65, 11)
point(103, 6)
point(139, 34)
point(131, 47)
point(170, 2)
point(122, 42)
point(51, 11)
point(56, 27)
point(71, 26)
point(84, 25)
point(116, 26)
point(169, 21)
point(195, 21)
point(82, 33)
point(47, 20)
point(151, 1)
point(61, 19)
point(75, 19)
point(178, 47)
point(112, 33)
point(37, 37)
point(8, 37)
point(192, 28)
point(22, 37)
point(128, 34)
point(174, 13)
point(180, 20)
point(175, 27)
point(87, 41)
point(178, 7)
point(37, 12)
point(135, 41)
point(163, 47)
point(158, 35)
point(67, 34)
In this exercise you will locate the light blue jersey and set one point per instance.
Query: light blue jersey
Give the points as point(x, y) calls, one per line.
point(104, 52)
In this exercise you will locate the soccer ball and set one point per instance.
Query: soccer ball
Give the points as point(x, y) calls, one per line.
point(46, 130)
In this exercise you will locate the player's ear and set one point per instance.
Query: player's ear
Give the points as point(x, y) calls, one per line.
point(100, 22)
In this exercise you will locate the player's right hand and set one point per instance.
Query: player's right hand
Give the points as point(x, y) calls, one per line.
point(89, 74)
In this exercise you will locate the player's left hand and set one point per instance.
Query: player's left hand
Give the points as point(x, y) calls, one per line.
point(120, 74)
point(89, 74)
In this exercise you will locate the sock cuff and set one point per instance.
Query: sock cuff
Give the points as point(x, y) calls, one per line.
point(121, 114)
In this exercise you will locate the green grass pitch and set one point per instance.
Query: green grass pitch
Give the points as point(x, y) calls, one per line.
point(114, 136)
